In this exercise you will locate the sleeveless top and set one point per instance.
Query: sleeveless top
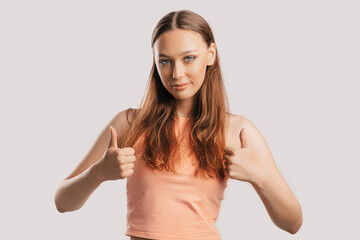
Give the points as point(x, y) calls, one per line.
point(168, 206)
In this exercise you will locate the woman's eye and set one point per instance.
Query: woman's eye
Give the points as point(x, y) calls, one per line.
point(163, 62)
point(187, 59)
point(191, 58)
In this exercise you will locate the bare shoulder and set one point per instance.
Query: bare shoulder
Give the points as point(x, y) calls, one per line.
point(120, 121)
point(257, 143)
point(238, 119)
point(236, 122)
point(239, 122)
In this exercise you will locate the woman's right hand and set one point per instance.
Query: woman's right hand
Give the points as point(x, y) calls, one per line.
point(117, 163)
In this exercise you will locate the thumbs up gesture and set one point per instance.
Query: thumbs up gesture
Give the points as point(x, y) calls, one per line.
point(117, 163)
point(242, 163)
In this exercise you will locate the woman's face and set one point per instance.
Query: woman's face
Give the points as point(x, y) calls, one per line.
point(181, 57)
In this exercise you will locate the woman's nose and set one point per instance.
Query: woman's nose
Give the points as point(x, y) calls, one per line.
point(178, 71)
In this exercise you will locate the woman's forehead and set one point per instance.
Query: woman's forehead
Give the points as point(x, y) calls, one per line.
point(177, 42)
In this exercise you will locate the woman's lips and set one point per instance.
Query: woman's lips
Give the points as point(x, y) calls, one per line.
point(180, 86)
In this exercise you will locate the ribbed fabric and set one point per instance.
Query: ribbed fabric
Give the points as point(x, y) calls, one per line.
point(168, 206)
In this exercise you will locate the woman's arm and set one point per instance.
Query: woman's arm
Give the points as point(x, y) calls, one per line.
point(251, 160)
point(74, 192)
point(282, 206)
point(280, 203)
point(82, 182)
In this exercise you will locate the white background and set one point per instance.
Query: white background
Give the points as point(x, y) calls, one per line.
point(67, 67)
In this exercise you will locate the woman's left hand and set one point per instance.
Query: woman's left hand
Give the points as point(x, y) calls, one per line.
point(242, 163)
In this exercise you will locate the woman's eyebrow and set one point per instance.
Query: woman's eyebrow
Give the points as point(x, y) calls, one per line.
point(187, 51)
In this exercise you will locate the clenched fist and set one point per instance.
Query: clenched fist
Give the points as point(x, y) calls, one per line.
point(117, 163)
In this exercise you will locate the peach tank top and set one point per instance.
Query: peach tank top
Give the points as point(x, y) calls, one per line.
point(164, 205)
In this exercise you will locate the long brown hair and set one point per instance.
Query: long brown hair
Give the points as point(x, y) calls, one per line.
point(208, 122)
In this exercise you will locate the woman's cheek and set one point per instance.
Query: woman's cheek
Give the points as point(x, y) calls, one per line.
point(201, 69)
point(197, 70)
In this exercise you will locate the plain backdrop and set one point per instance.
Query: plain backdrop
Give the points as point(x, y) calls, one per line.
point(290, 67)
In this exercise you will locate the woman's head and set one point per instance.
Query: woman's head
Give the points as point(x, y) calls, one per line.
point(182, 57)
point(176, 33)
point(205, 95)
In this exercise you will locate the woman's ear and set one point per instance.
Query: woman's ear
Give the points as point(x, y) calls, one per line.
point(212, 54)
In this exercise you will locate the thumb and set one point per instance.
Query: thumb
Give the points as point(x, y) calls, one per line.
point(113, 138)
point(243, 139)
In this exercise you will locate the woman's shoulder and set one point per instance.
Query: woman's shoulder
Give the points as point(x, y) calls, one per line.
point(236, 119)
point(123, 120)
point(236, 123)
point(131, 114)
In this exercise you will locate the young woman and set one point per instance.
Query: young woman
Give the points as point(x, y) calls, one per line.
point(185, 145)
